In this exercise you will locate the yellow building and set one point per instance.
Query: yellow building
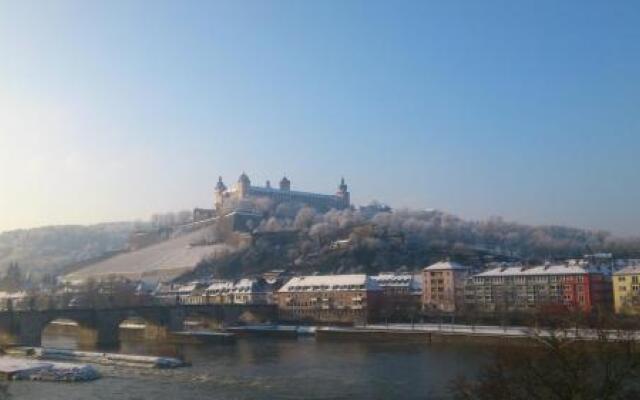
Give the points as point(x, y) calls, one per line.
point(626, 290)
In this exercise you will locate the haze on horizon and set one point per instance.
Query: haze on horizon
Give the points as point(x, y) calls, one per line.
point(115, 110)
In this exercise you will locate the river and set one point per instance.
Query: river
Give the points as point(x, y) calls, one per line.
point(270, 368)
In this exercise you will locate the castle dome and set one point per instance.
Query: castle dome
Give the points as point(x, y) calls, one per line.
point(244, 179)
point(285, 183)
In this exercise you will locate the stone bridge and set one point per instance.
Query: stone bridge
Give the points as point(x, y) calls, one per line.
point(101, 326)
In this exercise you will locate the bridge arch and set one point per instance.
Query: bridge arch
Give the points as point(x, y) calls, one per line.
point(100, 327)
point(157, 323)
point(68, 333)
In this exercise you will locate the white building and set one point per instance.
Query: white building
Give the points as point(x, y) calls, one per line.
point(219, 292)
point(252, 291)
point(189, 293)
point(244, 291)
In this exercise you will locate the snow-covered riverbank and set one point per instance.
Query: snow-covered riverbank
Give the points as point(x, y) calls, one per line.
point(12, 368)
point(128, 360)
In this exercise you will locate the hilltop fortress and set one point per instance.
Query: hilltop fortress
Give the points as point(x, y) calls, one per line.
point(242, 197)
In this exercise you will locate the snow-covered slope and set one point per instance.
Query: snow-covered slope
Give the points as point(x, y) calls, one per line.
point(167, 259)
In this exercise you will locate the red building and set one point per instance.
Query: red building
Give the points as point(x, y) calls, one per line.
point(548, 287)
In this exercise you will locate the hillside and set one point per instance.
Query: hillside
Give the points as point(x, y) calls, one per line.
point(297, 238)
point(53, 248)
point(160, 261)
point(350, 241)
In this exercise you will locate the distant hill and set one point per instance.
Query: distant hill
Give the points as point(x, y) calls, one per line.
point(304, 241)
point(351, 241)
point(54, 248)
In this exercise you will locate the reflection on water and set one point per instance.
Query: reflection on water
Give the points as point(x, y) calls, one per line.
point(261, 368)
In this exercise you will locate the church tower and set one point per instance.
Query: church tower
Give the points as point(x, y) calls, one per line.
point(343, 195)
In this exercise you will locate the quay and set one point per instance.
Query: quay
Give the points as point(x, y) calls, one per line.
point(443, 333)
point(200, 337)
point(291, 331)
point(426, 333)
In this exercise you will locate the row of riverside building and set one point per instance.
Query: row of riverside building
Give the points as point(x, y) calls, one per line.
point(442, 288)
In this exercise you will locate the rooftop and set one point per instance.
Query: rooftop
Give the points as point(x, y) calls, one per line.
point(265, 190)
point(243, 285)
point(538, 270)
point(330, 282)
point(220, 285)
point(411, 281)
point(446, 265)
point(631, 270)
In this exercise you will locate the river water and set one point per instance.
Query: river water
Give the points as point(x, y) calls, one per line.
point(271, 368)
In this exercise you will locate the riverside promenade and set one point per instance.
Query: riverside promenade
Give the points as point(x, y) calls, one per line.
point(459, 329)
point(473, 333)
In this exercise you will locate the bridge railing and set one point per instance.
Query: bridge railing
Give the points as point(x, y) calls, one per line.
point(63, 302)
point(96, 301)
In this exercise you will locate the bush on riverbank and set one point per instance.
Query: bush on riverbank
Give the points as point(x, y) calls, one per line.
point(562, 366)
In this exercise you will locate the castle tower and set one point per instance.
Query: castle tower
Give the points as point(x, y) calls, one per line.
point(220, 187)
point(343, 195)
point(219, 195)
point(243, 185)
point(285, 184)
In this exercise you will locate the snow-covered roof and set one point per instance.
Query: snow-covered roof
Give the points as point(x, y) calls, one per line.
point(265, 190)
point(242, 286)
point(413, 282)
point(220, 286)
point(245, 282)
point(330, 282)
point(249, 285)
point(388, 277)
point(631, 270)
point(446, 265)
point(167, 288)
point(538, 270)
point(13, 295)
point(187, 288)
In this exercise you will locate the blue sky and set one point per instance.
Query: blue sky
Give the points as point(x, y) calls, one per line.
point(525, 109)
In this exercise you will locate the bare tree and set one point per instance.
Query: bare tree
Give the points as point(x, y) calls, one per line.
point(562, 364)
